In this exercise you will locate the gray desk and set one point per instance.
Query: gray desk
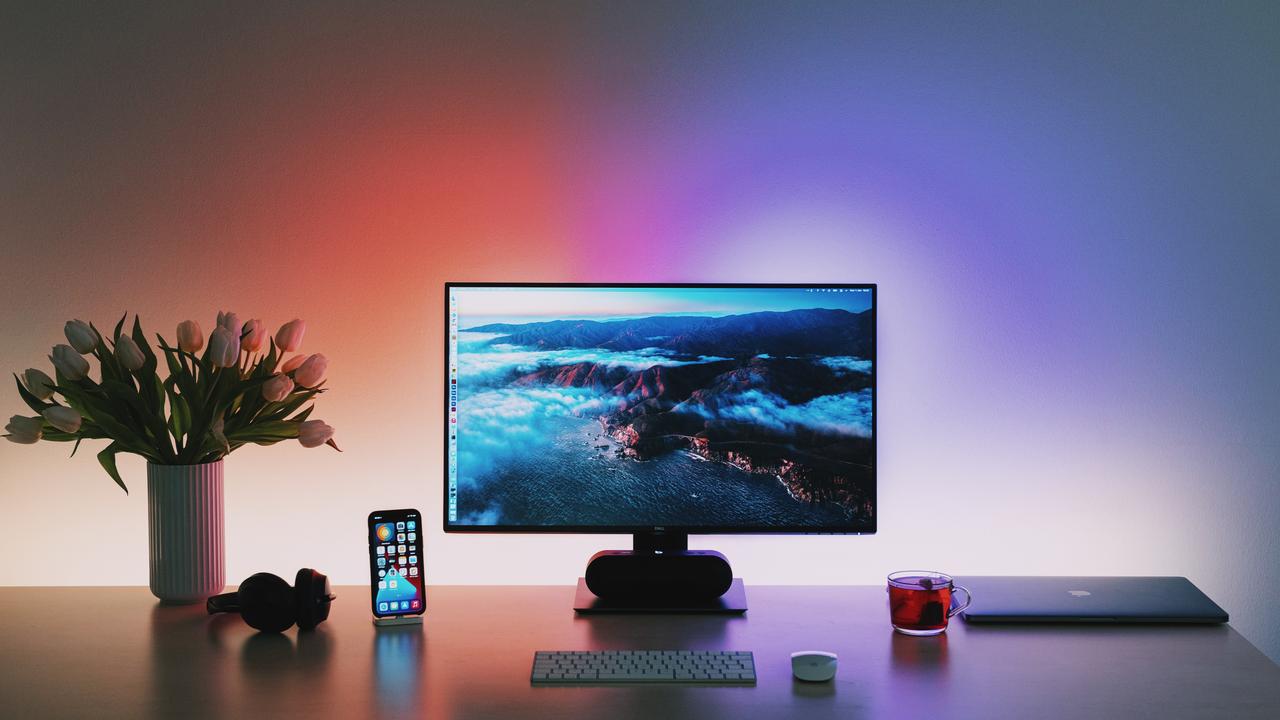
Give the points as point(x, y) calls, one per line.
point(113, 652)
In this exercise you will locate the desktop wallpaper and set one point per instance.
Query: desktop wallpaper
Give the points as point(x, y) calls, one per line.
point(1070, 212)
point(699, 407)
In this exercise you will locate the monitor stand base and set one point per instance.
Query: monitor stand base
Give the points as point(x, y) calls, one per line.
point(732, 602)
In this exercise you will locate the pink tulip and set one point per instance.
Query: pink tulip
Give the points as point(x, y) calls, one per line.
point(190, 336)
point(277, 388)
point(293, 363)
point(69, 362)
point(231, 321)
point(311, 372)
point(128, 354)
point(289, 337)
point(224, 348)
point(28, 430)
point(254, 333)
point(64, 418)
point(314, 433)
point(38, 383)
point(81, 335)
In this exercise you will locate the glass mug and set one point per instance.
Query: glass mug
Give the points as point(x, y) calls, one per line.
point(920, 601)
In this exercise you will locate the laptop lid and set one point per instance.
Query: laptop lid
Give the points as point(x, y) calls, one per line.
point(1088, 599)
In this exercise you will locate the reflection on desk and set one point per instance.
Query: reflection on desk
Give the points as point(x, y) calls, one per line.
point(132, 658)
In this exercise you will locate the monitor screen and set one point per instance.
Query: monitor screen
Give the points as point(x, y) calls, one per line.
point(626, 408)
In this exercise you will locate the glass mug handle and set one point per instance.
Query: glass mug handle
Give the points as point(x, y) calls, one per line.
point(968, 599)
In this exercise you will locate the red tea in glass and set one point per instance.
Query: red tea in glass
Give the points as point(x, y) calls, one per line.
point(920, 601)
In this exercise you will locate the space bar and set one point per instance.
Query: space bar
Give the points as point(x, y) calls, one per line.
point(635, 677)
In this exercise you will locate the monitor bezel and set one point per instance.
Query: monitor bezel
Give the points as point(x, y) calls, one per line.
point(867, 528)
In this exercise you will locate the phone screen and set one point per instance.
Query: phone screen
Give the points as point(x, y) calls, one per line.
point(395, 562)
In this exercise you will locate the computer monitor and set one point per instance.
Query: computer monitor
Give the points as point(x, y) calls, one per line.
point(660, 410)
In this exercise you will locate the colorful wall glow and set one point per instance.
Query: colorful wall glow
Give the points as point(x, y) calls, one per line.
point(1071, 215)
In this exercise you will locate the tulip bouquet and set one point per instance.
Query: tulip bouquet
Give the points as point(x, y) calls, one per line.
point(239, 390)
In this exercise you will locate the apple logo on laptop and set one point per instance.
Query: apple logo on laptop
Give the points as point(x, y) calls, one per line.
point(1079, 593)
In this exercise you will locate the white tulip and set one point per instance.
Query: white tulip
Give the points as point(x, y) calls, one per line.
point(38, 383)
point(81, 336)
point(29, 430)
point(231, 321)
point(289, 336)
point(311, 372)
point(64, 418)
point(224, 348)
point(128, 354)
point(255, 331)
point(314, 433)
point(277, 388)
point(293, 363)
point(69, 363)
point(190, 336)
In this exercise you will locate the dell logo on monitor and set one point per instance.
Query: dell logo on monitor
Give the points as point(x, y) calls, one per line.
point(1079, 593)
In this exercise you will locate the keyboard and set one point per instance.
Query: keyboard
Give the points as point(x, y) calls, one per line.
point(694, 667)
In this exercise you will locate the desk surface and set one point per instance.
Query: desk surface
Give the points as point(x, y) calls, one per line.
point(114, 652)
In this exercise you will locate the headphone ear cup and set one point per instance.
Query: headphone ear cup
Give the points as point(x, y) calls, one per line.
point(267, 603)
point(311, 598)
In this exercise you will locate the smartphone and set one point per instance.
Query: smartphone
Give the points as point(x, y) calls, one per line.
point(395, 563)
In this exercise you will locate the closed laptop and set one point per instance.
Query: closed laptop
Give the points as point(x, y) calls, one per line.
point(1088, 599)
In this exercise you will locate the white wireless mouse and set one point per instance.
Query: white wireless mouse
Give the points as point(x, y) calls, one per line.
point(813, 665)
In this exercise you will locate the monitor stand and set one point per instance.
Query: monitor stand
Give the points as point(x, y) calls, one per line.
point(660, 575)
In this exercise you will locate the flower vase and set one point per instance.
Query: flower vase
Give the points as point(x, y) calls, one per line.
point(184, 506)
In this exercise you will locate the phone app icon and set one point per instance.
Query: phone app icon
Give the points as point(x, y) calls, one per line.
point(399, 537)
point(401, 549)
point(384, 531)
point(382, 607)
point(382, 562)
point(411, 525)
point(400, 559)
point(382, 573)
point(400, 525)
point(413, 572)
point(391, 584)
point(413, 549)
point(413, 559)
point(413, 537)
point(417, 604)
point(382, 584)
point(382, 550)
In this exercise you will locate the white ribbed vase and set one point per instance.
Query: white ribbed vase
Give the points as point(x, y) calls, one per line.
point(184, 506)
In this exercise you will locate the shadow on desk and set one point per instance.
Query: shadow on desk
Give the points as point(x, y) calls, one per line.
point(676, 632)
point(183, 677)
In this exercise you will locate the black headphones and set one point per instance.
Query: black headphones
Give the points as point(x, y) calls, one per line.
point(266, 602)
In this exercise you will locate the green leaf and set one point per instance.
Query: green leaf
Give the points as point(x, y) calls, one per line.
point(148, 422)
point(277, 429)
point(77, 447)
point(170, 356)
point(215, 431)
point(111, 418)
point(179, 413)
point(53, 434)
point(143, 345)
point(102, 343)
point(107, 458)
point(115, 335)
point(178, 372)
point(302, 415)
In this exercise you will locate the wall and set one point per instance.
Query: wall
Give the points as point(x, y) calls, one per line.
point(1072, 213)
